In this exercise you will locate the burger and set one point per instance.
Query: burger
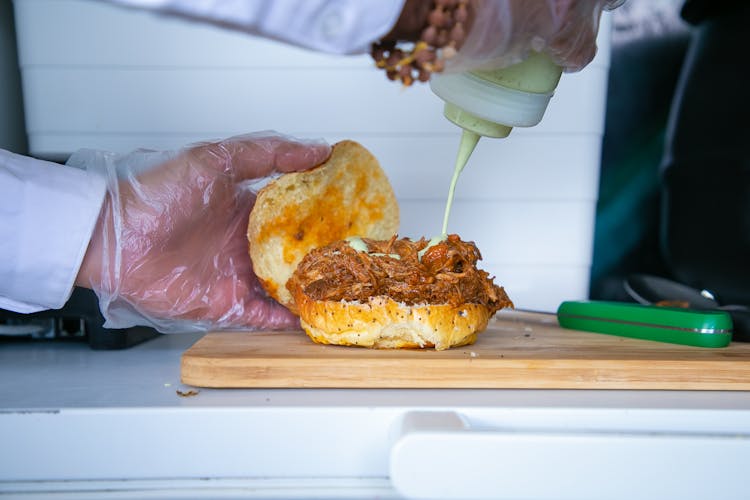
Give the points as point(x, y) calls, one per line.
point(324, 243)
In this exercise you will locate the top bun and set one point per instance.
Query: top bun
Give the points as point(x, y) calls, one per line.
point(348, 195)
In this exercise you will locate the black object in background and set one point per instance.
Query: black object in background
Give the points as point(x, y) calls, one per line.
point(650, 290)
point(78, 319)
point(674, 198)
point(648, 48)
point(705, 229)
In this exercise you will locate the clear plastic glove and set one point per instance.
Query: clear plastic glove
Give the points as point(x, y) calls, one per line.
point(170, 247)
point(504, 32)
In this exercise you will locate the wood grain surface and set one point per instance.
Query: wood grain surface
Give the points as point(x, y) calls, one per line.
point(518, 350)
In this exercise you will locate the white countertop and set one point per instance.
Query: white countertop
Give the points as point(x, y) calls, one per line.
point(120, 415)
point(56, 375)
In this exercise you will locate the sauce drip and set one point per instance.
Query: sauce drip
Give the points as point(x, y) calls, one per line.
point(434, 241)
point(468, 142)
point(359, 245)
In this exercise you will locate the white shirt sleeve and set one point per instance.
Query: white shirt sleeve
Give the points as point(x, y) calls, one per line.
point(47, 215)
point(334, 26)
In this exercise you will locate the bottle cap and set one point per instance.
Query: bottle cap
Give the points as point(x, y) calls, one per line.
point(491, 101)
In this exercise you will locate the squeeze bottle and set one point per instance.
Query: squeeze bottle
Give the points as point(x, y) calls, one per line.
point(491, 102)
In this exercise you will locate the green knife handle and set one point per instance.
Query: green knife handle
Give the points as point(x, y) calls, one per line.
point(710, 328)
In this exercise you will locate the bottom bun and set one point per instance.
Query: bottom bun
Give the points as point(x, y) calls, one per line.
point(386, 324)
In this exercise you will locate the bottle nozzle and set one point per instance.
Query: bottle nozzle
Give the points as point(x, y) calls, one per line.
point(491, 103)
point(474, 123)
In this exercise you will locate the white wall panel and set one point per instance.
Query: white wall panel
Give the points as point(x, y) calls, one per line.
point(532, 232)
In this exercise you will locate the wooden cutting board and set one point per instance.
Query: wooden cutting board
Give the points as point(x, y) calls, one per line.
point(518, 350)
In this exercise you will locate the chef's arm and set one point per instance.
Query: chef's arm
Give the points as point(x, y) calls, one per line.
point(160, 236)
point(47, 214)
point(340, 27)
point(495, 33)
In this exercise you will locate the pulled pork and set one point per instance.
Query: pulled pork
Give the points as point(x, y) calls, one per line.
point(445, 274)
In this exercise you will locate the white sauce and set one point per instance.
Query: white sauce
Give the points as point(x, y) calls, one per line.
point(359, 245)
point(468, 142)
point(433, 241)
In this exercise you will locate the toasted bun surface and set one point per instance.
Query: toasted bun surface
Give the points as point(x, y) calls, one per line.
point(348, 195)
point(386, 324)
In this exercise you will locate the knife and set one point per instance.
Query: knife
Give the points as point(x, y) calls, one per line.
point(673, 325)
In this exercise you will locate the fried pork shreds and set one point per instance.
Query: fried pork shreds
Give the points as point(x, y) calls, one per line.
point(446, 274)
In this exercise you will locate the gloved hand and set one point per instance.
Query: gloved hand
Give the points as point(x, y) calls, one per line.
point(170, 247)
point(504, 32)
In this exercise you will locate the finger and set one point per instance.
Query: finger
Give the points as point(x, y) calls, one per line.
point(573, 49)
point(254, 157)
point(296, 156)
point(269, 314)
point(238, 300)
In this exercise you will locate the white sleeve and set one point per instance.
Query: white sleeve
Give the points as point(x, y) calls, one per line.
point(335, 26)
point(47, 214)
